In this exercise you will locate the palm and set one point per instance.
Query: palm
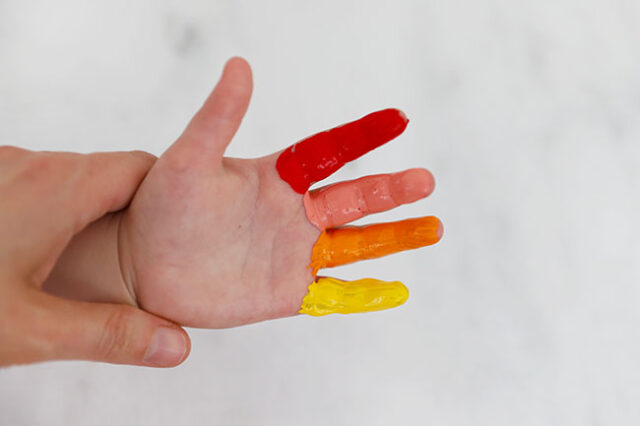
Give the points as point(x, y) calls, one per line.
point(220, 246)
point(215, 242)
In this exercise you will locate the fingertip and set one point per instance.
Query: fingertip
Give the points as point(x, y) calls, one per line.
point(440, 230)
point(144, 156)
point(187, 340)
point(403, 117)
point(383, 126)
point(239, 60)
point(169, 347)
point(232, 93)
point(403, 293)
point(237, 65)
point(418, 183)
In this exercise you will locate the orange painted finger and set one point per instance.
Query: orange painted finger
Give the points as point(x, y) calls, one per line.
point(341, 203)
point(340, 246)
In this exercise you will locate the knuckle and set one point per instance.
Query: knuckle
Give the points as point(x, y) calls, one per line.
point(35, 166)
point(46, 173)
point(117, 334)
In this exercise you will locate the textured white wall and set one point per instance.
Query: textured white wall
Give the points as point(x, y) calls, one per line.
point(528, 114)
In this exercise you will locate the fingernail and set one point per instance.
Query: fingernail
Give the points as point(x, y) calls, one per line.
point(167, 348)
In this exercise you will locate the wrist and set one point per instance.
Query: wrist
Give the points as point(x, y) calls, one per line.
point(89, 268)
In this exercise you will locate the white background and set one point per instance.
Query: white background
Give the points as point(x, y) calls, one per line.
point(527, 112)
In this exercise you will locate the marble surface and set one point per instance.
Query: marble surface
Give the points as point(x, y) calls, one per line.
point(527, 112)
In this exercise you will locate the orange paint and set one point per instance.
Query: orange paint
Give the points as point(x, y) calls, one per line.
point(339, 246)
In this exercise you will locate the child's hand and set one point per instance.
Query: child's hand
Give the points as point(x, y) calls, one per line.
point(216, 242)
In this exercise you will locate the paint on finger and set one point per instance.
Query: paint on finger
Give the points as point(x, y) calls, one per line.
point(343, 202)
point(340, 246)
point(318, 156)
point(333, 296)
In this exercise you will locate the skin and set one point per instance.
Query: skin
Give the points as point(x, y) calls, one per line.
point(206, 241)
point(345, 202)
point(47, 199)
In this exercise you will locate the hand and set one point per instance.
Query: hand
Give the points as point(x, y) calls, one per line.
point(47, 198)
point(215, 242)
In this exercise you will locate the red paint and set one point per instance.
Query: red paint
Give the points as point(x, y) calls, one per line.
point(318, 156)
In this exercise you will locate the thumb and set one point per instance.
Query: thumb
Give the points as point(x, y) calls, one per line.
point(214, 125)
point(119, 334)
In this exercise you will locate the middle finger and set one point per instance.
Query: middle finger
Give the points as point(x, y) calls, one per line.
point(343, 202)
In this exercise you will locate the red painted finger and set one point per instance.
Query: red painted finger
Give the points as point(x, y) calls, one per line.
point(318, 156)
point(338, 204)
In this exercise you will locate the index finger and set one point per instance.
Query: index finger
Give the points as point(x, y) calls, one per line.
point(318, 156)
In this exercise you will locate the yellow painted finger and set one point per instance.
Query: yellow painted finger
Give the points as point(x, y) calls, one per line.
point(340, 246)
point(333, 296)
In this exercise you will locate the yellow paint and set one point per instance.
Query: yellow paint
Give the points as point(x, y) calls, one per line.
point(332, 296)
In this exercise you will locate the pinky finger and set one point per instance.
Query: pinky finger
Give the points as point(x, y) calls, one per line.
point(333, 296)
